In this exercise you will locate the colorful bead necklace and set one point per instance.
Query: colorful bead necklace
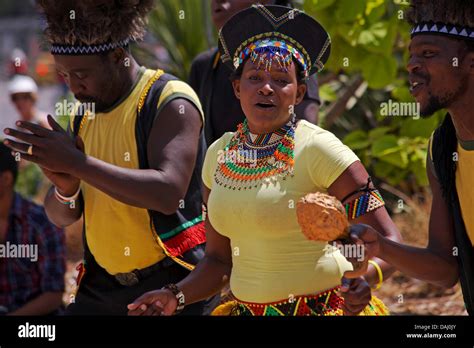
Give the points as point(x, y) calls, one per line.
point(250, 159)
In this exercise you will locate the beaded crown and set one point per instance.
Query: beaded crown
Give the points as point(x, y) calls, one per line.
point(267, 33)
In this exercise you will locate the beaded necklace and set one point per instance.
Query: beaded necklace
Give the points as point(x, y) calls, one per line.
point(250, 159)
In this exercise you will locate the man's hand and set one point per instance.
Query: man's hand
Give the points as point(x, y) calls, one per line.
point(367, 236)
point(356, 293)
point(53, 149)
point(66, 184)
point(158, 302)
point(366, 245)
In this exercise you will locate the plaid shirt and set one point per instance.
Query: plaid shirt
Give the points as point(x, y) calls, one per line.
point(23, 279)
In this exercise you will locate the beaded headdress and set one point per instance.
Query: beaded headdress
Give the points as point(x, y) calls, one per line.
point(268, 34)
point(264, 52)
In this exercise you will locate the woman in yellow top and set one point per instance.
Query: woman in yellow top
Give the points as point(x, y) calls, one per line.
point(254, 177)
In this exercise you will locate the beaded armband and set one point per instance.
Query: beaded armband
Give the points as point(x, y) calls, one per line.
point(369, 201)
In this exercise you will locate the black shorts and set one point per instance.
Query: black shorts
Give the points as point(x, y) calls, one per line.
point(101, 294)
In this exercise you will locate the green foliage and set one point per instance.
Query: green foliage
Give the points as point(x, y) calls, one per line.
point(183, 28)
point(29, 180)
point(363, 35)
point(370, 38)
point(396, 154)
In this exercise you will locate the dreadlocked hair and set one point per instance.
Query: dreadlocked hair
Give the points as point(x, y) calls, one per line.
point(89, 22)
point(444, 163)
point(453, 12)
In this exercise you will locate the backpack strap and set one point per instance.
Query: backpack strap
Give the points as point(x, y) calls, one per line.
point(77, 122)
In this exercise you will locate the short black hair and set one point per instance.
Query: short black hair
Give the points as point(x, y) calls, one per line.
point(7, 161)
point(453, 12)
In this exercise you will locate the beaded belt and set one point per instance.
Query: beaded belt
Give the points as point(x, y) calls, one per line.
point(324, 303)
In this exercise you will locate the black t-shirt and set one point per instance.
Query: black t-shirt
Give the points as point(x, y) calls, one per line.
point(210, 79)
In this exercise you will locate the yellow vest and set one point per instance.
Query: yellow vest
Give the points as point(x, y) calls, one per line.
point(465, 189)
point(119, 235)
point(464, 182)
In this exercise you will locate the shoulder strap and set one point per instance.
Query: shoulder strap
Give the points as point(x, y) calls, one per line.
point(147, 112)
point(430, 162)
point(147, 108)
point(77, 123)
point(442, 147)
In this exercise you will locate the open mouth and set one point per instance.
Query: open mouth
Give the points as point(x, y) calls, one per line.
point(416, 87)
point(417, 83)
point(265, 105)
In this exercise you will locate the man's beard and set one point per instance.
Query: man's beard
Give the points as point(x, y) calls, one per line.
point(436, 102)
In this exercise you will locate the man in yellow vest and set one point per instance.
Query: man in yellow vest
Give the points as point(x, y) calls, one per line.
point(132, 169)
point(441, 74)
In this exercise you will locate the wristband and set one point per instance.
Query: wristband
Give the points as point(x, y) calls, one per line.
point(379, 272)
point(179, 296)
point(64, 199)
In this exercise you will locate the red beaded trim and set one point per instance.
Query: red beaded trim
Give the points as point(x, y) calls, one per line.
point(299, 304)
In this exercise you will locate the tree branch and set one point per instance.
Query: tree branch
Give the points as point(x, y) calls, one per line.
point(337, 108)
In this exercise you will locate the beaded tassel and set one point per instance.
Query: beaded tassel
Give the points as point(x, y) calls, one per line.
point(266, 55)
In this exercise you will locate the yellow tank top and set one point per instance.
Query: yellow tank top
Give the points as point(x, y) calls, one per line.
point(464, 185)
point(119, 235)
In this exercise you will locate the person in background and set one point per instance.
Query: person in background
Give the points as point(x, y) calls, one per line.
point(24, 94)
point(442, 31)
point(252, 176)
point(132, 171)
point(31, 285)
point(211, 80)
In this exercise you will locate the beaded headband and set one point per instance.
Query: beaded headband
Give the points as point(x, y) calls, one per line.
point(79, 50)
point(443, 29)
point(264, 52)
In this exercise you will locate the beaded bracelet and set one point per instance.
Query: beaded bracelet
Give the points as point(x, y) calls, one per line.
point(179, 297)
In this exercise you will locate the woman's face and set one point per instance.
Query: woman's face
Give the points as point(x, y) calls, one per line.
point(268, 98)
